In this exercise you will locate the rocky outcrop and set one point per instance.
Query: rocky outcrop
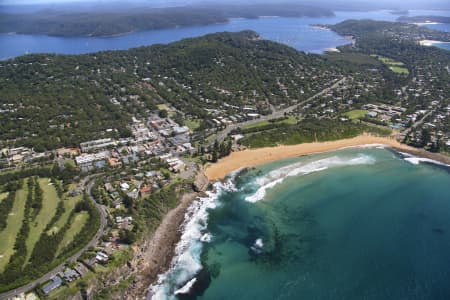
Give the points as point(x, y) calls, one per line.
point(201, 182)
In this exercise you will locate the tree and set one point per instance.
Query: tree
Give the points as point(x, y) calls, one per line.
point(128, 201)
point(127, 236)
point(214, 156)
point(163, 113)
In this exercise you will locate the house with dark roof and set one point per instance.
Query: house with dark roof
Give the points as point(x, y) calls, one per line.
point(55, 283)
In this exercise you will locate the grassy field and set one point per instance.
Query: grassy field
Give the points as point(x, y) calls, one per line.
point(309, 131)
point(355, 114)
point(163, 106)
point(399, 70)
point(166, 107)
point(76, 226)
point(49, 203)
point(192, 123)
point(353, 58)
point(69, 205)
point(394, 66)
point(3, 196)
point(290, 120)
point(8, 235)
point(39, 220)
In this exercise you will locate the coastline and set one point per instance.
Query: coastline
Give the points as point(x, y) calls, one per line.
point(426, 23)
point(253, 157)
point(332, 50)
point(155, 254)
point(430, 42)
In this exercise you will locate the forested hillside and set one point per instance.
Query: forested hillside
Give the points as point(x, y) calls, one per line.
point(48, 101)
point(104, 23)
point(367, 29)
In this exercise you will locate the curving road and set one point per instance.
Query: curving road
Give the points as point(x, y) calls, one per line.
point(417, 123)
point(73, 258)
point(87, 184)
point(275, 115)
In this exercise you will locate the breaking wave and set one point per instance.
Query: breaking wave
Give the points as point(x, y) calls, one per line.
point(416, 160)
point(301, 168)
point(186, 263)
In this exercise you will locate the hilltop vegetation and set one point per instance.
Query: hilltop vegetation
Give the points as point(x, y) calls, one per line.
point(105, 23)
point(49, 101)
point(306, 131)
point(365, 30)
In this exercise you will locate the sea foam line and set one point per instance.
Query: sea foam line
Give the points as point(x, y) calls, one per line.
point(277, 176)
point(416, 160)
point(187, 262)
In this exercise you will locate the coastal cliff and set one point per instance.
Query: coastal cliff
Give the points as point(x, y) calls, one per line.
point(153, 255)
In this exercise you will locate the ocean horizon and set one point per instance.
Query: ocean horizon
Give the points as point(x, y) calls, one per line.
point(350, 224)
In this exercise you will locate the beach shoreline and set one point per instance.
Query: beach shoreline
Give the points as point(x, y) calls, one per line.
point(254, 157)
point(430, 42)
point(157, 251)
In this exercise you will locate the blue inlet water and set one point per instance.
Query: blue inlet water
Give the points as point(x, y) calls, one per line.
point(352, 224)
point(295, 32)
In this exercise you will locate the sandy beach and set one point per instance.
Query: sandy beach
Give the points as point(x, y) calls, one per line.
point(332, 50)
point(253, 157)
point(428, 42)
point(156, 253)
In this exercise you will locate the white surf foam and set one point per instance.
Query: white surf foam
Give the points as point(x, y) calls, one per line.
point(186, 262)
point(206, 238)
point(257, 246)
point(416, 160)
point(369, 146)
point(301, 168)
point(186, 288)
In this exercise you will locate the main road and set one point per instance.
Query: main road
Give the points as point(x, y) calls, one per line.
point(87, 184)
point(274, 115)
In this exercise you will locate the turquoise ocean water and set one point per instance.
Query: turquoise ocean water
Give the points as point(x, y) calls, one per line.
point(352, 224)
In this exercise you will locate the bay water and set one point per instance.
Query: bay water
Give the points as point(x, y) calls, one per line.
point(295, 32)
point(362, 223)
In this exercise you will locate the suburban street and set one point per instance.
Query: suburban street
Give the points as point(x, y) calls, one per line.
point(86, 184)
point(274, 115)
point(417, 123)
